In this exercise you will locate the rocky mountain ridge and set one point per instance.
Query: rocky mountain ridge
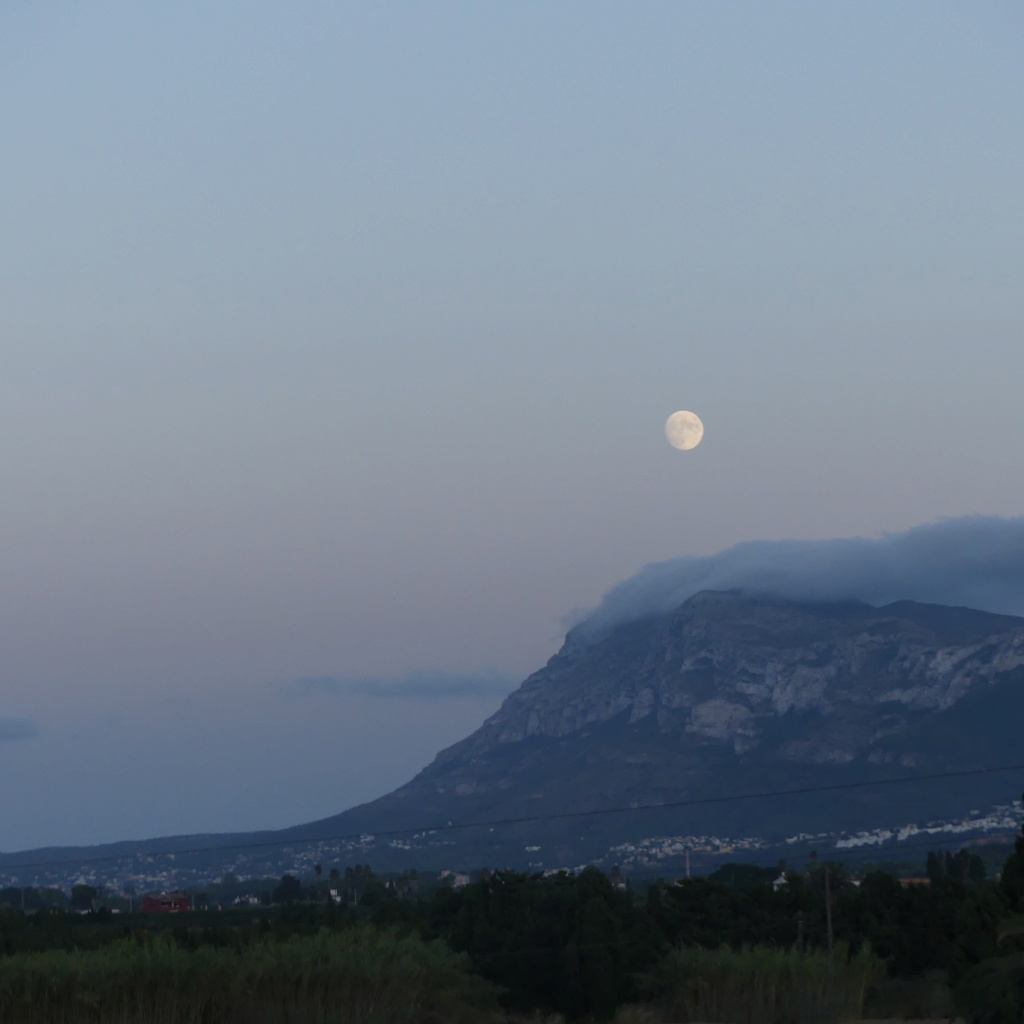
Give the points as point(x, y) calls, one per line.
point(734, 694)
point(735, 722)
point(722, 664)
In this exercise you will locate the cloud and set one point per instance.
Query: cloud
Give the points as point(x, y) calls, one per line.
point(17, 729)
point(974, 561)
point(413, 685)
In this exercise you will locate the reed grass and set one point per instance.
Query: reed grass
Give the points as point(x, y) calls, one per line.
point(362, 975)
point(763, 985)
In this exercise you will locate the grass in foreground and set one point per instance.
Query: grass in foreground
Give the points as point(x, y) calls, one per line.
point(359, 976)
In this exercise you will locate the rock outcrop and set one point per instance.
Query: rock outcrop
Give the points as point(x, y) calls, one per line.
point(723, 668)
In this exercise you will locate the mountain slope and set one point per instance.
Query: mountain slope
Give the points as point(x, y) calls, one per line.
point(733, 694)
point(671, 726)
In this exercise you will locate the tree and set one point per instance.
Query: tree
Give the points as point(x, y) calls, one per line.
point(357, 880)
point(289, 890)
point(1012, 880)
point(83, 896)
point(965, 866)
point(936, 865)
point(744, 876)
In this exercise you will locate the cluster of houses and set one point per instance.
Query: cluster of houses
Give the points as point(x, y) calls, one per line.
point(166, 903)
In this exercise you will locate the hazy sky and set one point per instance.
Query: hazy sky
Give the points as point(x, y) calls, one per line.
point(337, 339)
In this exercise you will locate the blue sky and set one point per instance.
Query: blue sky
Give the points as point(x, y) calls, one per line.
point(337, 341)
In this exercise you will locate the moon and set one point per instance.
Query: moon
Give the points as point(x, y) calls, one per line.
point(684, 430)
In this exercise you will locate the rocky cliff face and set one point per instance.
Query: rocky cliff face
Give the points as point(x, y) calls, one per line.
point(731, 695)
point(724, 669)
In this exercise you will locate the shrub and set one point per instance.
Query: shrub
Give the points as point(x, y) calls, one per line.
point(359, 976)
point(762, 985)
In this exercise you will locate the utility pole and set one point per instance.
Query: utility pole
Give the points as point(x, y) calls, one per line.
point(831, 945)
point(687, 862)
point(828, 919)
point(800, 954)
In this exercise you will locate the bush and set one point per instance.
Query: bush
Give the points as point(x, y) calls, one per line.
point(762, 985)
point(925, 997)
point(992, 992)
point(360, 976)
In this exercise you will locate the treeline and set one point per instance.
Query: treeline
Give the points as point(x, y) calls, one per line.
point(578, 945)
point(582, 945)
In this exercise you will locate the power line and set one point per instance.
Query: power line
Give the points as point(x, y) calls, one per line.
point(525, 819)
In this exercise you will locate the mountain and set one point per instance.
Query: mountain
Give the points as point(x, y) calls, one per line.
point(678, 731)
point(733, 694)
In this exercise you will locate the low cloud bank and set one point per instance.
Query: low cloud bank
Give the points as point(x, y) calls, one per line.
point(974, 561)
point(17, 729)
point(415, 684)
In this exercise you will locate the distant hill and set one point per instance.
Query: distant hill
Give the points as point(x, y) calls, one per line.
point(727, 695)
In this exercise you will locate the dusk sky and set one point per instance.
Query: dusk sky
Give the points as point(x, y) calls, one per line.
point(337, 341)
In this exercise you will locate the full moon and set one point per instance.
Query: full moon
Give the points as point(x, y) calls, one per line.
point(684, 430)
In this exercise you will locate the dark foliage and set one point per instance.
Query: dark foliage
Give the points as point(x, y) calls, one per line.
point(577, 944)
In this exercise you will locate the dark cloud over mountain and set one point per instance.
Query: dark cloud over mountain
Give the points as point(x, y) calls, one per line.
point(975, 561)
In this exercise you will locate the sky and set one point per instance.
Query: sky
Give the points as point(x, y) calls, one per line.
point(337, 339)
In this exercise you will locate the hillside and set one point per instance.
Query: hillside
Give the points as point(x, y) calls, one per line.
point(729, 695)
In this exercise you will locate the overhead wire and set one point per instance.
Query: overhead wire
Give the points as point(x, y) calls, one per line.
point(499, 822)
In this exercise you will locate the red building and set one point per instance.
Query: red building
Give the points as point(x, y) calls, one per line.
point(168, 903)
